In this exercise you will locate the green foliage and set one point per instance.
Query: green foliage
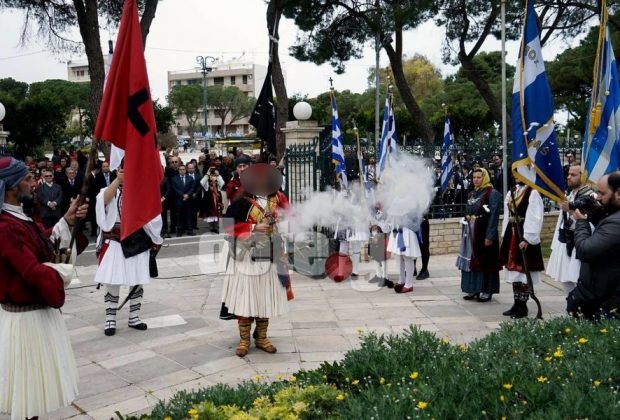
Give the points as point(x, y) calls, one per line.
point(164, 117)
point(187, 100)
point(229, 104)
point(562, 368)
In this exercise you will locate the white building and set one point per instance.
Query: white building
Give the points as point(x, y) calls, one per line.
point(247, 77)
point(77, 70)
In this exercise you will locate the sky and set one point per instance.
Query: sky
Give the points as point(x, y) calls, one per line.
point(183, 29)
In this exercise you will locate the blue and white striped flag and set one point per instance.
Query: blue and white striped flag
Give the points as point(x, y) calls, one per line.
point(601, 145)
point(535, 152)
point(337, 146)
point(446, 159)
point(388, 135)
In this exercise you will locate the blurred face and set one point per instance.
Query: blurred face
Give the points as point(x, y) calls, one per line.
point(573, 179)
point(182, 170)
point(105, 167)
point(570, 158)
point(175, 162)
point(49, 165)
point(477, 179)
point(241, 167)
point(71, 174)
point(63, 162)
point(74, 165)
point(48, 177)
point(497, 161)
point(25, 187)
point(190, 168)
point(476, 166)
point(609, 198)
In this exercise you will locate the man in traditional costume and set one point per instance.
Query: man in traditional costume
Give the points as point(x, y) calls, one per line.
point(126, 264)
point(523, 212)
point(234, 189)
point(257, 285)
point(403, 243)
point(563, 264)
point(38, 373)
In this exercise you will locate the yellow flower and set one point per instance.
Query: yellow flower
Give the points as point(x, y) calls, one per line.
point(422, 405)
point(257, 378)
point(567, 330)
point(507, 386)
point(503, 417)
point(340, 397)
point(445, 340)
point(355, 382)
point(596, 383)
point(515, 351)
point(299, 407)
point(381, 380)
point(603, 331)
point(542, 379)
point(193, 413)
point(279, 377)
point(548, 358)
point(346, 379)
point(463, 348)
point(292, 378)
point(558, 353)
point(167, 418)
point(414, 375)
point(583, 340)
point(360, 331)
point(501, 398)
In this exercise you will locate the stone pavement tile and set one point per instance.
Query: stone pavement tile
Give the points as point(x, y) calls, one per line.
point(158, 342)
point(428, 327)
point(232, 376)
point(322, 343)
point(222, 364)
point(84, 334)
point(311, 325)
point(73, 322)
point(146, 369)
point(198, 355)
point(258, 356)
point(168, 380)
point(316, 331)
point(98, 347)
point(95, 380)
point(194, 385)
point(364, 324)
point(452, 310)
point(408, 311)
point(362, 313)
point(311, 365)
point(271, 371)
point(107, 398)
point(428, 297)
point(124, 407)
point(62, 413)
point(457, 321)
point(125, 359)
point(310, 315)
point(321, 356)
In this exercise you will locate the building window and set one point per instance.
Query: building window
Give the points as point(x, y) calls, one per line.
point(245, 79)
point(218, 80)
point(233, 80)
point(79, 73)
point(194, 81)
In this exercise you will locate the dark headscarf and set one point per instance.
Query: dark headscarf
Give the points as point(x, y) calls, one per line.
point(12, 171)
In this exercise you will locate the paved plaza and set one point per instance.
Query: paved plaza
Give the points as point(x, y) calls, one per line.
point(188, 347)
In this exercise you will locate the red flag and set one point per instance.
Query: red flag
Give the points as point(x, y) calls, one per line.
point(126, 119)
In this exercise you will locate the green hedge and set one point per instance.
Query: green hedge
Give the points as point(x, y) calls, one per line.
point(555, 369)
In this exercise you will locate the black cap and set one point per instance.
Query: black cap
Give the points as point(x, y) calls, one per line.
point(243, 159)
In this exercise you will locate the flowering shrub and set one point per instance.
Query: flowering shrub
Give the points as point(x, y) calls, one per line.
point(561, 368)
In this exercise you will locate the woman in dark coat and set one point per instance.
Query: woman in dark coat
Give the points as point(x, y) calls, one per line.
point(479, 254)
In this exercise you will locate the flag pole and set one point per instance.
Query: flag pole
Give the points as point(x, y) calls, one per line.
point(504, 115)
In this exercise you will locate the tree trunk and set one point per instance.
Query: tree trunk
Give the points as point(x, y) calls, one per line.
point(493, 102)
point(147, 18)
point(419, 118)
point(274, 12)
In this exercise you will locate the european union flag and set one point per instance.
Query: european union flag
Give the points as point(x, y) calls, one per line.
point(446, 159)
point(601, 145)
point(535, 153)
point(337, 146)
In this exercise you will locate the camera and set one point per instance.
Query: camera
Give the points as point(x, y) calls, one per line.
point(586, 203)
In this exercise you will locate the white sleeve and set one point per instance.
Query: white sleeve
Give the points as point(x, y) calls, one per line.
point(534, 217)
point(153, 229)
point(220, 182)
point(106, 215)
point(205, 182)
point(62, 231)
point(506, 217)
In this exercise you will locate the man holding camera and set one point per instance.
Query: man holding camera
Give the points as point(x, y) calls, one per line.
point(563, 264)
point(598, 291)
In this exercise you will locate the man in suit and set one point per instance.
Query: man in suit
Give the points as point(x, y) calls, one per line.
point(50, 200)
point(183, 187)
point(70, 188)
point(170, 171)
point(193, 173)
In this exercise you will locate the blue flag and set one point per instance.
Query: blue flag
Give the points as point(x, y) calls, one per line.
point(337, 146)
point(535, 152)
point(388, 135)
point(601, 145)
point(446, 159)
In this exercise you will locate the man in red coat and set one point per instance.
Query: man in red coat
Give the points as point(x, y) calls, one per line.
point(38, 373)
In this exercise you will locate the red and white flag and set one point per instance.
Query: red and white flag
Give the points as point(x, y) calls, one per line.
point(126, 119)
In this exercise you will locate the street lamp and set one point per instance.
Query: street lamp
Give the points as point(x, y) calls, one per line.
point(205, 68)
point(3, 134)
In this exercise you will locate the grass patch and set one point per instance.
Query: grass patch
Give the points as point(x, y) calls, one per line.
point(562, 368)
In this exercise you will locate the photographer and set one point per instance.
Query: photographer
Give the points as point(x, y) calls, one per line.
point(598, 290)
point(563, 264)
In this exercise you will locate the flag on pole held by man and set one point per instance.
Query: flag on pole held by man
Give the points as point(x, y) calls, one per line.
point(601, 146)
point(535, 152)
point(263, 116)
point(126, 119)
point(446, 159)
point(388, 144)
point(337, 145)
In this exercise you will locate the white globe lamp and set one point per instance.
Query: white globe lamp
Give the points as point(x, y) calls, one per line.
point(302, 111)
point(2, 112)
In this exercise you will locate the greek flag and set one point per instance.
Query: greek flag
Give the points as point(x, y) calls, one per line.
point(388, 135)
point(601, 146)
point(446, 159)
point(337, 147)
point(535, 153)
